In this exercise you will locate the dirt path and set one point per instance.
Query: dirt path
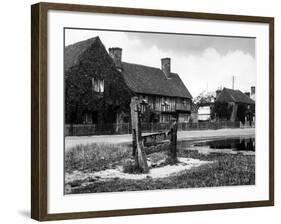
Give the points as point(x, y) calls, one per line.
point(158, 172)
point(182, 135)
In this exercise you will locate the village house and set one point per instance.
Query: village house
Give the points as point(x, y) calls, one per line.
point(99, 87)
point(95, 91)
point(234, 105)
point(158, 89)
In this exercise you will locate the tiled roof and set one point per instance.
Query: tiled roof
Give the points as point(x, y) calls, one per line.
point(150, 80)
point(139, 78)
point(230, 95)
point(73, 52)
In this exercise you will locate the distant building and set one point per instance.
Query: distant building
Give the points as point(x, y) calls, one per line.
point(205, 103)
point(204, 113)
point(99, 86)
point(234, 105)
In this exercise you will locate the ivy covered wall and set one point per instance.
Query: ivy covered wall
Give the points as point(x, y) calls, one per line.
point(79, 95)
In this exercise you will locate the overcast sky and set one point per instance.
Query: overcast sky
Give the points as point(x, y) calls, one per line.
point(204, 63)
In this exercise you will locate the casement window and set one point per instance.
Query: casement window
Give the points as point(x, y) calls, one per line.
point(97, 85)
point(166, 104)
point(165, 118)
point(87, 118)
point(184, 102)
point(163, 105)
point(143, 102)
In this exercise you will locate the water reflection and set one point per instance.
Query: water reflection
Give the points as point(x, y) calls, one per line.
point(226, 145)
point(238, 144)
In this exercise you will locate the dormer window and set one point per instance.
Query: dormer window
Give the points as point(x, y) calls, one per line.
point(97, 85)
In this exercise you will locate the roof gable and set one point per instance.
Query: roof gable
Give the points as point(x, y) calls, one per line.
point(150, 80)
point(230, 95)
point(73, 52)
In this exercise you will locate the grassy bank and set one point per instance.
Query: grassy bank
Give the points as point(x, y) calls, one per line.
point(226, 170)
point(96, 156)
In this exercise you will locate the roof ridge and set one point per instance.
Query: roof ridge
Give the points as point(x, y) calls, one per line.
point(173, 73)
point(83, 41)
point(141, 65)
point(234, 96)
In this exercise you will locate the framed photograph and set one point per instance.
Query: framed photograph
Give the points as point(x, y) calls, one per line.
point(140, 111)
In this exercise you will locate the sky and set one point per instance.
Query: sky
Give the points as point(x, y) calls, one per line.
point(204, 63)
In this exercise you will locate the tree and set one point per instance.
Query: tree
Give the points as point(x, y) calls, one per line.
point(241, 112)
point(222, 110)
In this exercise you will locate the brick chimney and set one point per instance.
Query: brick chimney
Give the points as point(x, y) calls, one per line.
point(166, 66)
point(253, 90)
point(218, 92)
point(116, 54)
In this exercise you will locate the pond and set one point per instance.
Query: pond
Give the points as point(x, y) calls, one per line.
point(245, 145)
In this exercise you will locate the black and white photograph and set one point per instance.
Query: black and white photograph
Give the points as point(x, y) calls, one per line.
point(157, 111)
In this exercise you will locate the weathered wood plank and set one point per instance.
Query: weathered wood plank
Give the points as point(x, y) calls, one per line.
point(138, 151)
point(173, 145)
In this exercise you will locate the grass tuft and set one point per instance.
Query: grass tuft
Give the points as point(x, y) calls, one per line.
point(130, 167)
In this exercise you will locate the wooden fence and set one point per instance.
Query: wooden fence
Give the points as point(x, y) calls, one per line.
point(106, 129)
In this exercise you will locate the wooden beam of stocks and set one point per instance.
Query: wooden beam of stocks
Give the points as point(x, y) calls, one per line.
point(156, 138)
point(173, 146)
point(138, 150)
